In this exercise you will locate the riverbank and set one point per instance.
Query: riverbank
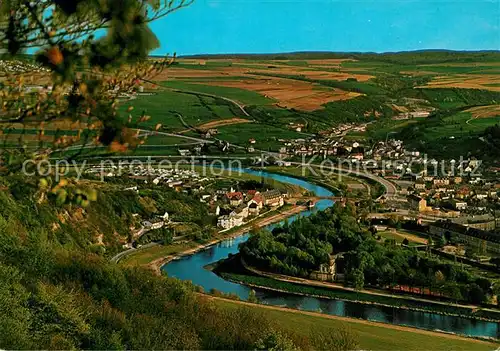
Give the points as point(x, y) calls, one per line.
point(242, 273)
point(372, 335)
point(445, 310)
point(156, 264)
point(192, 269)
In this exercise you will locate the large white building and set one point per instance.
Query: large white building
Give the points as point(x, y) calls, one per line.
point(229, 221)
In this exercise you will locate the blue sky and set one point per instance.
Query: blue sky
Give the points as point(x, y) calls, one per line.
point(258, 26)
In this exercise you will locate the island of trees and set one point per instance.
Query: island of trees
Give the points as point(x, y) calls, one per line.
point(300, 248)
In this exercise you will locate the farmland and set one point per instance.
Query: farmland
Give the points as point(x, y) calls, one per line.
point(265, 138)
point(318, 93)
point(263, 97)
point(171, 108)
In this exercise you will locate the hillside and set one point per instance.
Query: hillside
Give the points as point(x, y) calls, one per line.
point(59, 290)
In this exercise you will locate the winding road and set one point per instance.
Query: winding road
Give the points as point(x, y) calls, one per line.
point(390, 189)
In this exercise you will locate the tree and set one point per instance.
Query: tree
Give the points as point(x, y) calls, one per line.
point(439, 280)
point(441, 241)
point(476, 294)
point(471, 252)
point(167, 236)
point(453, 291)
point(430, 244)
point(275, 341)
point(358, 279)
point(252, 297)
point(90, 52)
point(393, 221)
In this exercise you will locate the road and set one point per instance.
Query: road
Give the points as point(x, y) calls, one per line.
point(118, 257)
point(152, 132)
point(145, 132)
point(425, 217)
point(390, 189)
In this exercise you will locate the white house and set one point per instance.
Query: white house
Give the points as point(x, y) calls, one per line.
point(230, 221)
point(460, 205)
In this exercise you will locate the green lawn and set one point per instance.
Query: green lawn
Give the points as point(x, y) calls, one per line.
point(457, 126)
point(386, 234)
point(370, 337)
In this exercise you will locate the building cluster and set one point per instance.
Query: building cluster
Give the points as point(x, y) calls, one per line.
point(343, 129)
point(156, 222)
point(16, 66)
point(296, 126)
point(479, 239)
point(185, 179)
point(246, 204)
point(179, 179)
point(326, 147)
point(412, 114)
point(461, 194)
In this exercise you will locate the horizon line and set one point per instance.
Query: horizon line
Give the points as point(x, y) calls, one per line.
point(329, 52)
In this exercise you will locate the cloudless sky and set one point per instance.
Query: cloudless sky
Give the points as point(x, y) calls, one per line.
point(269, 26)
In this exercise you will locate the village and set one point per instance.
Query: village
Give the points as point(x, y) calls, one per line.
point(231, 207)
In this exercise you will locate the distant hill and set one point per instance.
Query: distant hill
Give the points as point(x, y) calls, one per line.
point(406, 57)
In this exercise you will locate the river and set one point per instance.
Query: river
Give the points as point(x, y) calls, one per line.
point(192, 268)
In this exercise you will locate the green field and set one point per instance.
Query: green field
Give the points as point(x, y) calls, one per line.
point(166, 140)
point(370, 336)
point(386, 234)
point(165, 106)
point(243, 96)
point(266, 137)
point(458, 134)
point(146, 256)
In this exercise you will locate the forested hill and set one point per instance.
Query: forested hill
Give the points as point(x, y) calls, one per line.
point(403, 57)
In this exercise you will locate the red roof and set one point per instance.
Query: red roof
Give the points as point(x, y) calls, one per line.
point(236, 195)
point(251, 192)
point(258, 198)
